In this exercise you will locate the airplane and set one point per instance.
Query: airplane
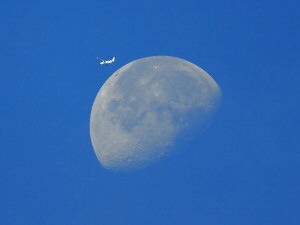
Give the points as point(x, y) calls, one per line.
point(106, 62)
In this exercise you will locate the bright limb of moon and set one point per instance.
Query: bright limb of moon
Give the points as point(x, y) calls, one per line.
point(145, 105)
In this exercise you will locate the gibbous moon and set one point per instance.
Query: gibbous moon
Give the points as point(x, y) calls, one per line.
point(144, 106)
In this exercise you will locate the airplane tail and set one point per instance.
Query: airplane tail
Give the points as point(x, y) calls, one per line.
point(113, 59)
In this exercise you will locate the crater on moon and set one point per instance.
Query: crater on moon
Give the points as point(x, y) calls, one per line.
point(145, 105)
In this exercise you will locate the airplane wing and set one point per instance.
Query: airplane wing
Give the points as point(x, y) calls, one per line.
point(99, 58)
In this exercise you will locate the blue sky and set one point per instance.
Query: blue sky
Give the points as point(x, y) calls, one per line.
point(243, 170)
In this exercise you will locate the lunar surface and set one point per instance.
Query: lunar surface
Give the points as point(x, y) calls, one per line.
point(143, 108)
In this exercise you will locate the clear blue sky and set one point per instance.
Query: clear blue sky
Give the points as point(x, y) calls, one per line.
point(243, 171)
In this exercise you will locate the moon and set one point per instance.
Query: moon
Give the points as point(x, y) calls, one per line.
point(143, 107)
